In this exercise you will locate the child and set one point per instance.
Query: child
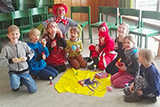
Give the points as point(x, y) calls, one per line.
point(56, 44)
point(102, 54)
point(37, 65)
point(127, 69)
point(18, 53)
point(147, 84)
point(74, 49)
point(122, 31)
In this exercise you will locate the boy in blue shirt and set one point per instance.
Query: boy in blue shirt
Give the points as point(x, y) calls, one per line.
point(147, 84)
point(38, 67)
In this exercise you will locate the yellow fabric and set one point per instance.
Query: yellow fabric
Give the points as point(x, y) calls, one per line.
point(69, 83)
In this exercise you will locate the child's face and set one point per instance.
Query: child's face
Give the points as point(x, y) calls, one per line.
point(13, 36)
point(128, 44)
point(52, 28)
point(60, 12)
point(122, 31)
point(74, 35)
point(34, 37)
point(103, 29)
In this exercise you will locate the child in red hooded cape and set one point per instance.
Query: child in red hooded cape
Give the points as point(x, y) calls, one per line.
point(102, 53)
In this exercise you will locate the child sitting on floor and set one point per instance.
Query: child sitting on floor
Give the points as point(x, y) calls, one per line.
point(74, 49)
point(123, 31)
point(147, 84)
point(17, 54)
point(103, 53)
point(38, 66)
point(56, 44)
point(129, 68)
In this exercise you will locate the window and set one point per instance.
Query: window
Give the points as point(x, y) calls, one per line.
point(153, 5)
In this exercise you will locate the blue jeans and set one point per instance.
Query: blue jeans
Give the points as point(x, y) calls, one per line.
point(47, 72)
point(26, 80)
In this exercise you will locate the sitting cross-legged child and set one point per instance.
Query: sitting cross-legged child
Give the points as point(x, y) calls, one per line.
point(146, 85)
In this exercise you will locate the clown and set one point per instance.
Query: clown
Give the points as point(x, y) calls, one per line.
point(63, 23)
point(103, 53)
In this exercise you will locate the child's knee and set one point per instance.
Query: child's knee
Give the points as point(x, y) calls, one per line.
point(33, 89)
point(15, 85)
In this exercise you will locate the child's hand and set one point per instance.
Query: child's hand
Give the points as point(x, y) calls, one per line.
point(102, 40)
point(23, 59)
point(70, 50)
point(43, 56)
point(53, 44)
point(78, 50)
point(122, 67)
point(43, 42)
point(16, 60)
point(140, 92)
point(131, 87)
point(97, 48)
point(59, 33)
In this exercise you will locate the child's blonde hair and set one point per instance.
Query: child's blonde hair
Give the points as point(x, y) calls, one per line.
point(76, 29)
point(12, 28)
point(52, 23)
point(34, 31)
point(147, 54)
point(126, 26)
point(130, 38)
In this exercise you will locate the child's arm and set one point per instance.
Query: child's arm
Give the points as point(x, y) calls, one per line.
point(79, 47)
point(80, 29)
point(30, 52)
point(41, 27)
point(134, 65)
point(109, 46)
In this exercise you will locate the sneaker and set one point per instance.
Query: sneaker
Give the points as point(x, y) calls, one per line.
point(15, 89)
point(88, 59)
point(91, 67)
point(152, 99)
point(126, 91)
point(134, 97)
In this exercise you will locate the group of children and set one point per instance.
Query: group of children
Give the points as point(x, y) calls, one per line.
point(46, 56)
